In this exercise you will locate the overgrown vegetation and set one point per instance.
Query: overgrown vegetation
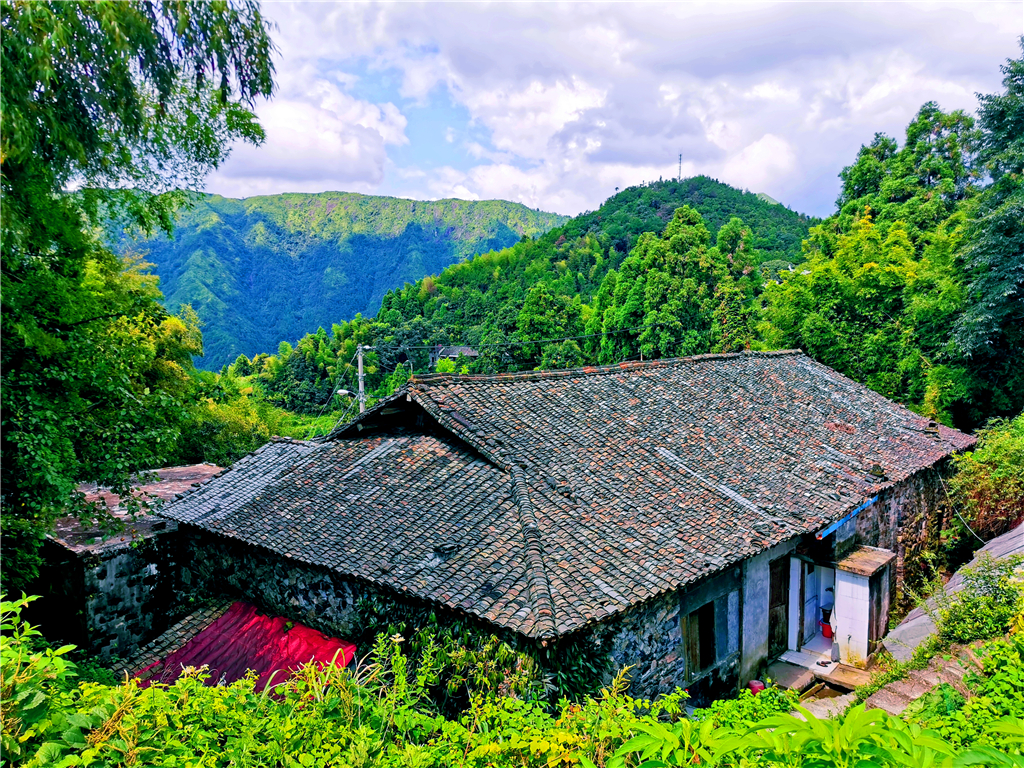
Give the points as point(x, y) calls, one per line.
point(381, 715)
point(985, 606)
point(998, 690)
point(988, 487)
point(989, 603)
point(124, 103)
point(269, 268)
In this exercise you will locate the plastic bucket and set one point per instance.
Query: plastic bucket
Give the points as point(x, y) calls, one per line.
point(826, 629)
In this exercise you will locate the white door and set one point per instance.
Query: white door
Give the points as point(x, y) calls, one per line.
point(811, 613)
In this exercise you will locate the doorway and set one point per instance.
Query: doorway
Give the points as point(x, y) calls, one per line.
point(778, 606)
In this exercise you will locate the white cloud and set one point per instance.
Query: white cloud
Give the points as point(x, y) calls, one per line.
point(317, 134)
point(758, 164)
point(564, 102)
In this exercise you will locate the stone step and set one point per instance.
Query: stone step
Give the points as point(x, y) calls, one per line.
point(928, 676)
point(790, 676)
point(830, 707)
point(887, 699)
point(910, 687)
point(954, 676)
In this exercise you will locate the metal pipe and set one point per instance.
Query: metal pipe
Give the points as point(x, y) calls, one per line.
point(826, 531)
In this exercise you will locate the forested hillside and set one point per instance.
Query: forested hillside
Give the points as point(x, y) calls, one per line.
point(914, 286)
point(264, 269)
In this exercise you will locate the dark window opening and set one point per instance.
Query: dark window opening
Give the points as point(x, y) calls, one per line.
point(700, 639)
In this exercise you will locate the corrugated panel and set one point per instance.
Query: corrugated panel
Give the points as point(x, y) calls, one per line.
point(244, 639)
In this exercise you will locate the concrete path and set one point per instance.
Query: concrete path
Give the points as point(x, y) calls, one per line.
point(919, 626)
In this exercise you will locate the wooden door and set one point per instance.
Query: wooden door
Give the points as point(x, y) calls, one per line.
point(778, 606)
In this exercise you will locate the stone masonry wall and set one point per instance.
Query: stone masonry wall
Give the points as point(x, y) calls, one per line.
point(112, 600)
point(649, 638)
point(907, 519)
point(315, 596)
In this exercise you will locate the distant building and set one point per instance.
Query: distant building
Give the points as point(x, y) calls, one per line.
point(441, 352)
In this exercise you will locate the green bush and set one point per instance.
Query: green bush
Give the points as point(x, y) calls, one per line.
point(989, 481)
point(997, 696)
point(748, 707)
point(382, 715)
point(29, 678)
point(986, 605)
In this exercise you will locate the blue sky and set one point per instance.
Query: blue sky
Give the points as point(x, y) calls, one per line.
point(555, 105)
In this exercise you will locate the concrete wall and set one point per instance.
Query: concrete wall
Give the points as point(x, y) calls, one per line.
point(754, 635)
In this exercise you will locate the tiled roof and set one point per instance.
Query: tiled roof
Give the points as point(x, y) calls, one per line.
point(546, 501)
point(161, 485)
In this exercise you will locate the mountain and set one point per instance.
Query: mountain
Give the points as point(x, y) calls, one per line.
point(264, 269)
point(686, 255)
point(777, 231)
point(479, 300)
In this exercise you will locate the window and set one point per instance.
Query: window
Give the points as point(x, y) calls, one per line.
point(699, 632)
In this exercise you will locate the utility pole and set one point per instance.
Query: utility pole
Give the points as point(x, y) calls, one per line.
point(362, 393)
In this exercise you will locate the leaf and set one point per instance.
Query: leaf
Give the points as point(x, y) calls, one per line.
point(81, 720)
point(73, 737)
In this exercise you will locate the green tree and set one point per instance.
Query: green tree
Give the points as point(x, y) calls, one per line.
point(125, 102)
point(666, 288)
point(991, 327)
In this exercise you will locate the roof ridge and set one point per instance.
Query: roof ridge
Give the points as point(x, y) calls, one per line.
point(536, 574)
point(593, 370)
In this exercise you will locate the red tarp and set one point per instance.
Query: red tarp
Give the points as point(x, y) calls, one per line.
point(243, 639)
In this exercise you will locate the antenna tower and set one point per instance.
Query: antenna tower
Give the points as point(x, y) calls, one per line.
point(679, 176)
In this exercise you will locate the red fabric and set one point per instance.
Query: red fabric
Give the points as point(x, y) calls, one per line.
point(243, 639)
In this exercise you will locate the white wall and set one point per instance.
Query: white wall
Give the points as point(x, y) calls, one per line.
point(851, 617)
point(811, 602)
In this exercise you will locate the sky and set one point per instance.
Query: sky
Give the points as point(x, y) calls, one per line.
point(557, 105)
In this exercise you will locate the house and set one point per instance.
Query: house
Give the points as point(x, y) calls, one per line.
point(691, 517)
point(441, 352)
point(108, 594)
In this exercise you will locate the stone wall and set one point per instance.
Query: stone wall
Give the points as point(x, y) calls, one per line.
point(108, 599)
point(907, 519)
point(649, 638)
point(318, 597)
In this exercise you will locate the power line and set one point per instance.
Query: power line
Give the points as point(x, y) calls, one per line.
point(341, 373)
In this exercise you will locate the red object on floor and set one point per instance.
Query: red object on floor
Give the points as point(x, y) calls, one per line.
point(244, 639)
point(755, 686)
point(826, 629)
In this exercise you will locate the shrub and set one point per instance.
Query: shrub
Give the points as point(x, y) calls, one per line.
point(28, 678)
point(381, 716)
point(997, 695)
point(985, 606)
point(748, 707)
point(989, 481)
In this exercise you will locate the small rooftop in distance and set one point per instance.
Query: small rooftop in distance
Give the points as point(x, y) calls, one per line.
point(164, 484)
point(866, 561)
